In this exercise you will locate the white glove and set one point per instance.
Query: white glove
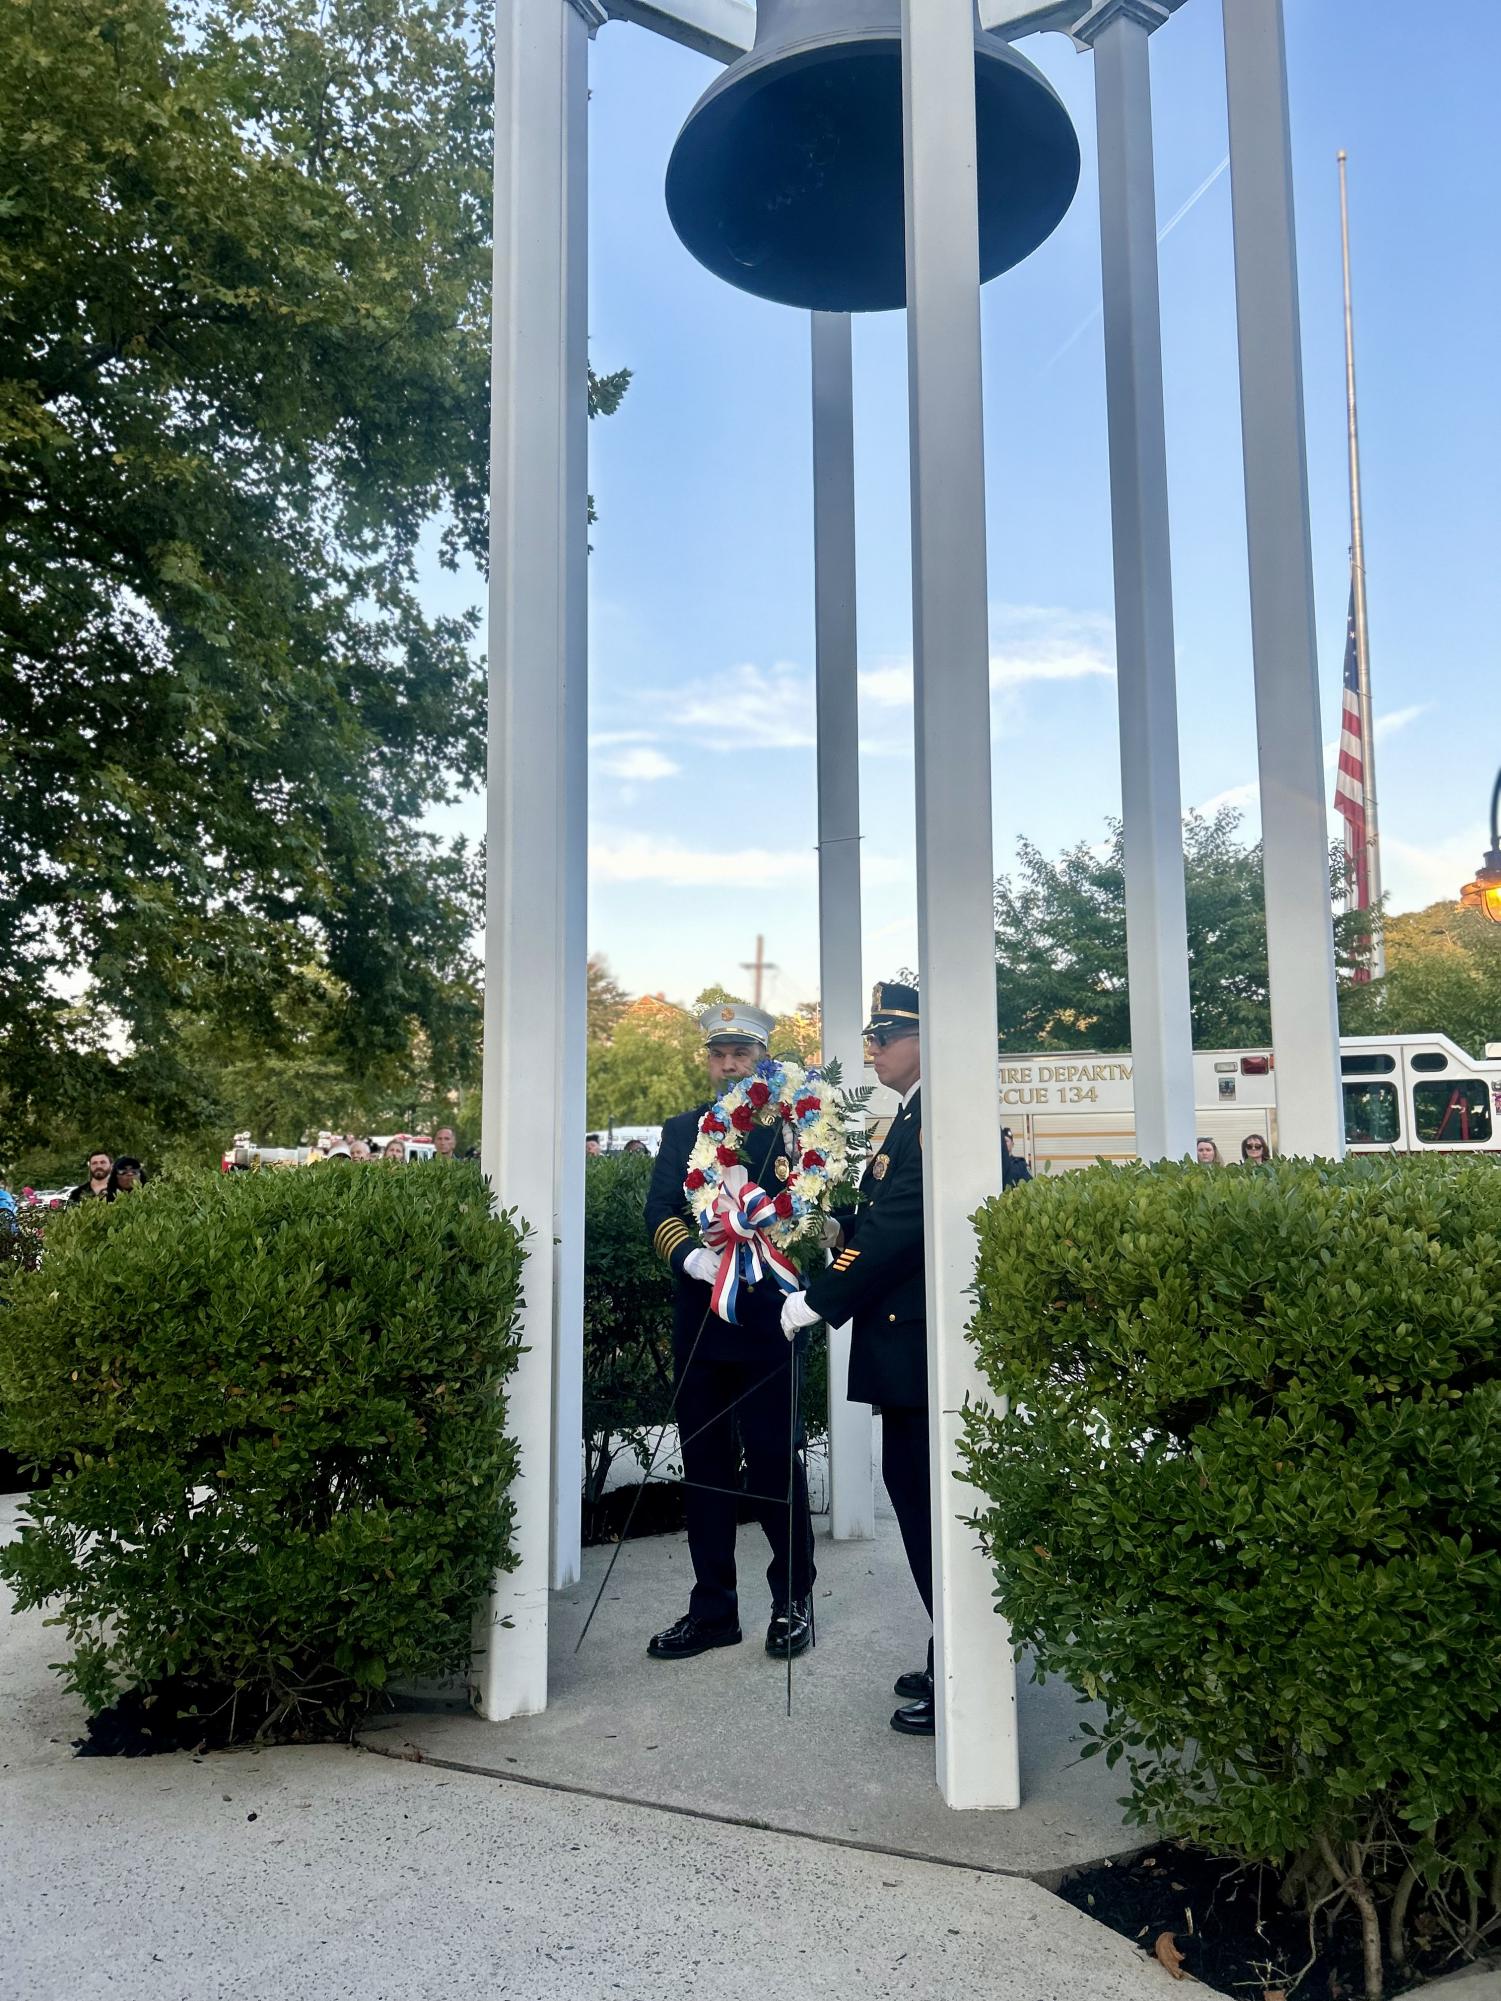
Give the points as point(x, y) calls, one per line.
point(832, 1235)
point(702, 1264)
point(798, 1313)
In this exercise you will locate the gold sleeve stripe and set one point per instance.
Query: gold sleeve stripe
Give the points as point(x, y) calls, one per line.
point(669, 1235)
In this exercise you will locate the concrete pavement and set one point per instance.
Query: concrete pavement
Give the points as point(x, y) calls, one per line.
point(329, 1872)
point(713, 1735)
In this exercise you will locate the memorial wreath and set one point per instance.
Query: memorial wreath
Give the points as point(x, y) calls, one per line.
point(757, 1229)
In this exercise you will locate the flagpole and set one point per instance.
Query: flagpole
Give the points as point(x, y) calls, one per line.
point(1357, 581)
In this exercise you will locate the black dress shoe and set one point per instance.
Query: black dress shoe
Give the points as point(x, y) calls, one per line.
point(916, 1686)
point(692, 1636)
point(791, 1630)
point(915, 1719)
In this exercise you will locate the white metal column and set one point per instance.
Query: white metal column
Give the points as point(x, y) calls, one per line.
point(975, 1679)
point(841, 989)
point(573, 820)
point(523, 904)
point(1295, 828)
point(1146, 684)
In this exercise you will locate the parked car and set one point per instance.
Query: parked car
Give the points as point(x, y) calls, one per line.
point(46, 1198)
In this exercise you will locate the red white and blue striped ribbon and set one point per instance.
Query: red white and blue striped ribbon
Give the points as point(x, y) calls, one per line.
point(743, 1212)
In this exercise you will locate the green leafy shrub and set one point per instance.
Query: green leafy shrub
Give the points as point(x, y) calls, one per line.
point(20, 1250)
point(1248, 1496)
point(280, 1399)
point(627, 1323)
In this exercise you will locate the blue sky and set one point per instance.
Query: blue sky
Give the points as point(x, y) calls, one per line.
point(702, 764)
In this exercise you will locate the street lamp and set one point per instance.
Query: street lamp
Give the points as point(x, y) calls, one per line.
point(1484, 893)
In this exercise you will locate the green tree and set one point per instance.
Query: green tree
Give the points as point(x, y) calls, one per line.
point(608, 1000)
point(1443, 976)
point(1061, 980)
point(646, 1058)
point(651, 1067)
point(243, 372)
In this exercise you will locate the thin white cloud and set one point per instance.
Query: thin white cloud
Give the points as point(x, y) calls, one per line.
point(1387, 725)
point(632, 857)
point(1238, 796)
point(1398, 719)
point(747, 708)
point(640, 765)
point(603, 739)
point(888, 686)
point(1414, 876)
point(1054, 663)
point(621, 855)
point(1241, 796)
point(1028, 643)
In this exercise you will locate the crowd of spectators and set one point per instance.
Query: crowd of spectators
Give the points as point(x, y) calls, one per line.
point(106, 1176)
point(1253, 1150)
point(396, 1149)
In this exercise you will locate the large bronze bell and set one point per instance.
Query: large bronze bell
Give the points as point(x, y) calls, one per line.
point(787, 178)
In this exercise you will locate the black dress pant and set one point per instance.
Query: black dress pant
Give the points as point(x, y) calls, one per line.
point(723, 1406)
point(905, 1470)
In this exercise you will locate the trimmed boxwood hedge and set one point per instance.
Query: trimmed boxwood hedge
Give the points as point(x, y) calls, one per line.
point(280, 1400)
point(1248, 1495)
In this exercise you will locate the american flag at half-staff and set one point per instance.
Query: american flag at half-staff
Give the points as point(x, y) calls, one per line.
point(1350, 785)
point(1355, 786)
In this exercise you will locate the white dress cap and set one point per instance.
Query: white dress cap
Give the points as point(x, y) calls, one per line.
point(736, 1021)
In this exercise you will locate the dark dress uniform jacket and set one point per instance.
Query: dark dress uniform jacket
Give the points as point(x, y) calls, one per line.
point(878, 1280)
point(674, 1233)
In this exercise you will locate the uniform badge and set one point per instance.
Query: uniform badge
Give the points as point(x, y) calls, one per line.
point(783, 1170)
point(879, 1166)
point(726, 1014)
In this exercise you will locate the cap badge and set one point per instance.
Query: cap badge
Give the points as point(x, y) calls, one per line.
point(726, 1014)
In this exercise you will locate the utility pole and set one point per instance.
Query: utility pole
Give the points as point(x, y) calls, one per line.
point(759, 967)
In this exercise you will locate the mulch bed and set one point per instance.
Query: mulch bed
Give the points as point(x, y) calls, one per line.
point(173, 1714)
point(1225, 1919)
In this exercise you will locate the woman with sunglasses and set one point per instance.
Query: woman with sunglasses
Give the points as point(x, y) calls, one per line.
point(1254, 1150)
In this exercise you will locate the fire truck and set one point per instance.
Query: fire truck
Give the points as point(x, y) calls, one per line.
point(1402, 1093)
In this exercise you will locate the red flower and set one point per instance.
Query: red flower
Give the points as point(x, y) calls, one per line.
point(713, 1123)
point(742, 1118)
point(812, 1159)
point(727, 1156)
point(758, 1093)
point(694, 1179)
point(783, 1204)
point(809, 1105)
point(786, 1110)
